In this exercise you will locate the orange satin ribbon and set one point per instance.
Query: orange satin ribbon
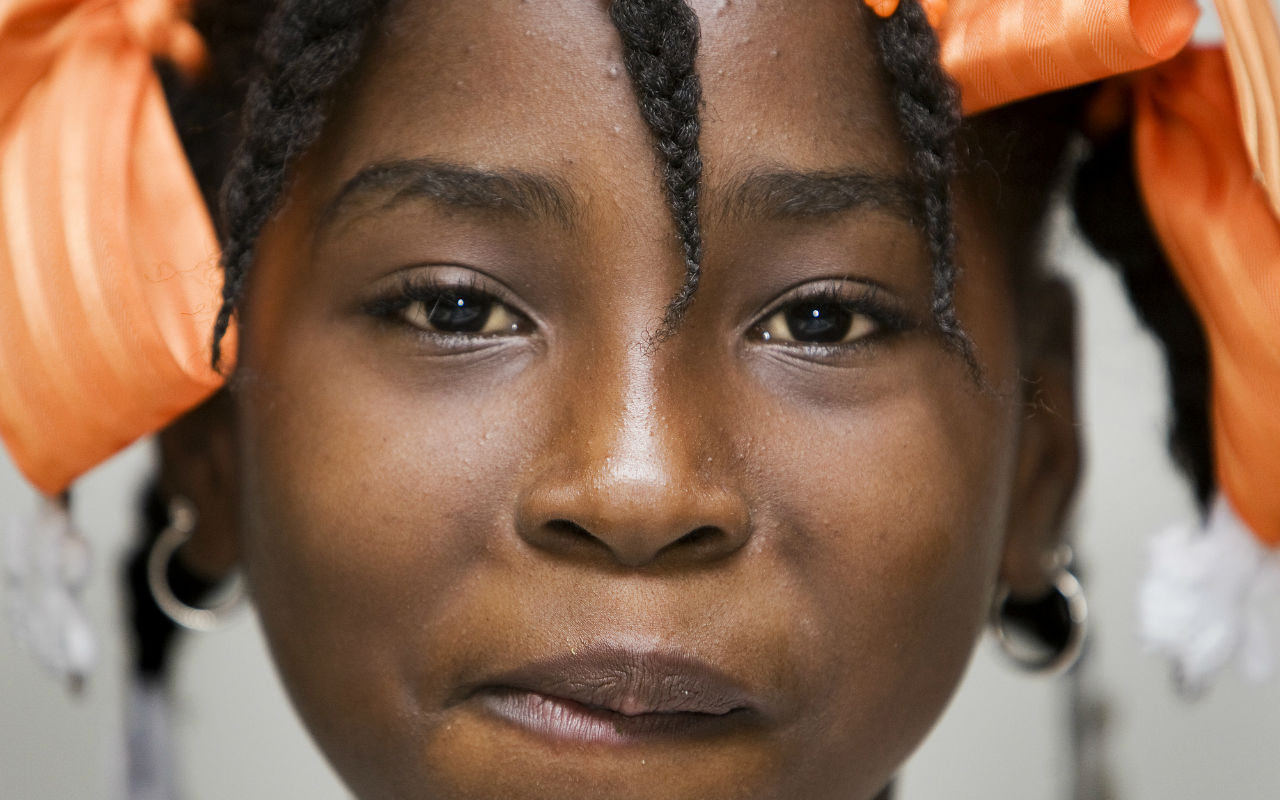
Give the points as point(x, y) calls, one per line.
point(1000, 51)
point(934, 10)
point(109, 276)
point(1253, 48)
point(1218, 229)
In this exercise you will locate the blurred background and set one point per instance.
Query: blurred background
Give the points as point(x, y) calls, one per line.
point(1005, 735)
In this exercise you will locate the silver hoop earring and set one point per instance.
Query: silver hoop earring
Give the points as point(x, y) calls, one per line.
point(1044, 635)
point(182, 523)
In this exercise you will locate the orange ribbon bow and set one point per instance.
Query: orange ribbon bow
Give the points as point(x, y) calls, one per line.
point(108, 262)
point(1216, 224)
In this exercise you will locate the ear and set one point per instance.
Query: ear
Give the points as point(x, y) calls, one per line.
point(1049, 456)
point(197, 461)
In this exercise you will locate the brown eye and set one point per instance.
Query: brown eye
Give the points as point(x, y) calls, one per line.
point(459, 312)
point(817, 322)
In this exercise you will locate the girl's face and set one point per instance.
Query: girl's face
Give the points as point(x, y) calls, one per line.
point(504, 543)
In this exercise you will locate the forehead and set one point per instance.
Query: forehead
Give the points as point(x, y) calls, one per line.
point(540, 84)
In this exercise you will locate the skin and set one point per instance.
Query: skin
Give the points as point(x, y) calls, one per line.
point(405, 495)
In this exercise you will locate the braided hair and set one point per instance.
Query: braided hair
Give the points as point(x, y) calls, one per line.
point(659, 47)
point(1111, 215)
point(928, 106)
point(308, 46)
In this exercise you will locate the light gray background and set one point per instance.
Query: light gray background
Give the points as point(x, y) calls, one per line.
point(1004, 737)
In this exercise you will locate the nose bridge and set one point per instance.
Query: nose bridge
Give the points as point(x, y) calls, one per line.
point(641, 428)
point(642, 450)
point(630, 473)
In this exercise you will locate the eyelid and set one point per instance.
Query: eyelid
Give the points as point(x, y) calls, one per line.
point(420, 283)
point(864, 298)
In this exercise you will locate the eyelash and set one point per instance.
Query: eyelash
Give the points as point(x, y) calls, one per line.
point(853, 298)
point(428, 290)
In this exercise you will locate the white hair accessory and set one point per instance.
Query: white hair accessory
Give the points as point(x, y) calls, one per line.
point(1204, 598)
point(46, 567)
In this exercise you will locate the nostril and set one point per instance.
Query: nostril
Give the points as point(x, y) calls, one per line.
point(697, 539)
point(565, 536)
point(570, 532)
point(698, 535)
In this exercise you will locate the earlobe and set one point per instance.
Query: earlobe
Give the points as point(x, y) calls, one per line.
point(1049, 457)
point(197, 463)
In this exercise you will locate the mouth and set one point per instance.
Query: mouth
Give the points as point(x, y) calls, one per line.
point(615, 696)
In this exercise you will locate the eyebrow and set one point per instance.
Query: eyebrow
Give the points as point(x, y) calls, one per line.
point(796, 194)
point(525, 195)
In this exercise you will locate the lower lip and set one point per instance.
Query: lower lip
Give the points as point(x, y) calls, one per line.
point(565, 720)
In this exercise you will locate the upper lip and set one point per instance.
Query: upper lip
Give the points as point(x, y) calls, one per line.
point(628, 682)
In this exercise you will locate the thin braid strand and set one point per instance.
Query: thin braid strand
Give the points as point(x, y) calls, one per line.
point(928, 107)
point(660, 46)
point(307, 47)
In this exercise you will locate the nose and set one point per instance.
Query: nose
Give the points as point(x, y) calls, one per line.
point(631, 476)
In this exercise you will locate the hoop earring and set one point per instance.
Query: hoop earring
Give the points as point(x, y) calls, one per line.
point(1045, 635)
point(182, 523)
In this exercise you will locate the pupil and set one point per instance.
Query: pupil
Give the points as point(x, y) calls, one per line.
point(818, 322)
point(460, 313)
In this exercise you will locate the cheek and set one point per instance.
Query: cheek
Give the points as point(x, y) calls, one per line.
point(890, 524)
point(364, 517)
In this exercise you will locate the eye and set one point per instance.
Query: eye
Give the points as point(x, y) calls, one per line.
point(827, 318)
point(820, 320)
point(446, 304)
point(460, 312)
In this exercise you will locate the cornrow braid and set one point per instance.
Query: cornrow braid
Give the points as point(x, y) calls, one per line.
point(306, 49)
point(928, 107)
point(659, 50)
